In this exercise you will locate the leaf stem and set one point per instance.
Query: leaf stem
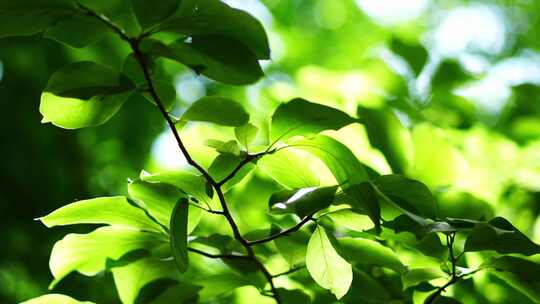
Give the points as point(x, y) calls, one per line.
point(283, 232)
point(292, 270)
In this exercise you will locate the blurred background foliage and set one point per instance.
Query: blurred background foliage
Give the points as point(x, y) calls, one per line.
point(462, 76)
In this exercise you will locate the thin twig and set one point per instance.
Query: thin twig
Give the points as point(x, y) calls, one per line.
point(249, 158)
point(292, 270)
point(283, 232)
point(205, 209)
point(219, 256)
point(105, 20)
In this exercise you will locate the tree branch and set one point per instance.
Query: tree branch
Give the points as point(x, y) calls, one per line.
point(292, 270)
point(282, 233)
point(134, 44)
point(115, 28)
point(219, 256)
point(249, 158)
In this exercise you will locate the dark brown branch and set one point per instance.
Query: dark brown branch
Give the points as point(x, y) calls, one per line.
point(249, 158)
point(284, 232)
point(134, 43)
point(292, 270)
point(219, 256)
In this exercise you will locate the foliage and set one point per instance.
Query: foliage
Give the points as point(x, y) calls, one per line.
point(335, 228)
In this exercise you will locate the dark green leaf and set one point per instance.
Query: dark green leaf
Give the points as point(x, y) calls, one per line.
point(368, 289)
point(203, 17)
point(347, 170)
point(326, 266)
point(294, 296)
point(445, 300)
point(418, 275)
point(149, 13)
point(415, 55)
point(77, 31)
point(522, 274)
point(218, 110)
point(28, 17)
point(301, 117)
point(215, 57)
point(83, 94)
point(448, 74)
point(386, 133)
point(302, 202)
point(409, 194)
point(364, 251)
point(500, 235)
point(179, 234)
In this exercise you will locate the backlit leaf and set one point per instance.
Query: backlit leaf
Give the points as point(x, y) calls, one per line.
point(83, 94)
point(326, 266)
point(301, 117)
point(218, 110)
point(179, 234)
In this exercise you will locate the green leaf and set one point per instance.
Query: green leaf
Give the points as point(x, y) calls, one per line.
point(414, 54)
point(149, 13)
point(418, 275)
point(77, 31)
point(215, 57)
point(246, 134)
point(83, 94)
point(159, 200)
point(216, 285)
point(409, 194)
point(501, 236)
point(351, 219)
point(301, 117)
point(386, 133)
point(224, 164)
point(347, 170)
point(185, 181)
point(294, 296)
point(364, 251)
point(28, 17)
point(368, 289)
point(326, 266)
point(179, 234)
point(218, 110)
point(288, 169)
point(89, 253)
point(292, 246)
point(302, 202)
point(203, 17)
point(522, 274)
point(445, 300)
point(131, 280)
point(54, 299)
point(166, 92)
point(449, 73)
point(115, 211)
point(229, 147)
